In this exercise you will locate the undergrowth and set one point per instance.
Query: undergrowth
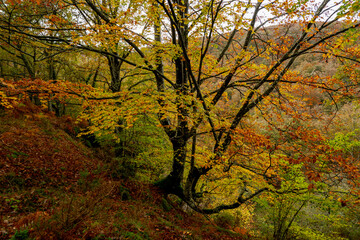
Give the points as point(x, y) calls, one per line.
point(53, 187)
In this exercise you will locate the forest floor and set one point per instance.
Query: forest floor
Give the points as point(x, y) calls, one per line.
point(54, 187)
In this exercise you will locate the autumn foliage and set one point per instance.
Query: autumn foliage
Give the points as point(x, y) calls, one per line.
point(221, 104)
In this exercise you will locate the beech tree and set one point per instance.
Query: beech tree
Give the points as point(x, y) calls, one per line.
point(225, 91)
point(37, 58)
point(252, 63)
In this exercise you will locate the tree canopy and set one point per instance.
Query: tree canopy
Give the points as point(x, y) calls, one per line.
point(221, 78)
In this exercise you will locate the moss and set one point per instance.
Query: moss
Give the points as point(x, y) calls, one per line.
point(166, 205)
point(225, 220)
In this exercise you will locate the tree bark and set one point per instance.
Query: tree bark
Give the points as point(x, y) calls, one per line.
point(115, 68)
point(179, 137)
point(172, 183)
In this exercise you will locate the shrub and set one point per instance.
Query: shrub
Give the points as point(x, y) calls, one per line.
point(21, 235)
point(225, 220)
point(122, 168)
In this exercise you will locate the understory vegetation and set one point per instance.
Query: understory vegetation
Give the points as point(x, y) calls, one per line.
point(53, 186)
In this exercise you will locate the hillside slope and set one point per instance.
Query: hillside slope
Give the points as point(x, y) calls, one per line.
point(53, 187)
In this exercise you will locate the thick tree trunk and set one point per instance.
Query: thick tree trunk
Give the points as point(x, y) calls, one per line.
point(172, 183)
point(191, 182)
point(115, 68)
point(30, 68)
point(179, 137)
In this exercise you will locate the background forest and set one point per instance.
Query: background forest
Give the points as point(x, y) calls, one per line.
point(179, 119)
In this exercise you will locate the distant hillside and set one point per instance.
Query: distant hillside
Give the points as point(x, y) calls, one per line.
point(308, 64)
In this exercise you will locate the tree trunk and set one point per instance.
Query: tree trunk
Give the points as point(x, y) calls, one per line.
point(115, 67)
point(172, 183)
point(96, 75)
point(30, 68)
point(191, 182)
point(52, 70)
point(179, 137)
